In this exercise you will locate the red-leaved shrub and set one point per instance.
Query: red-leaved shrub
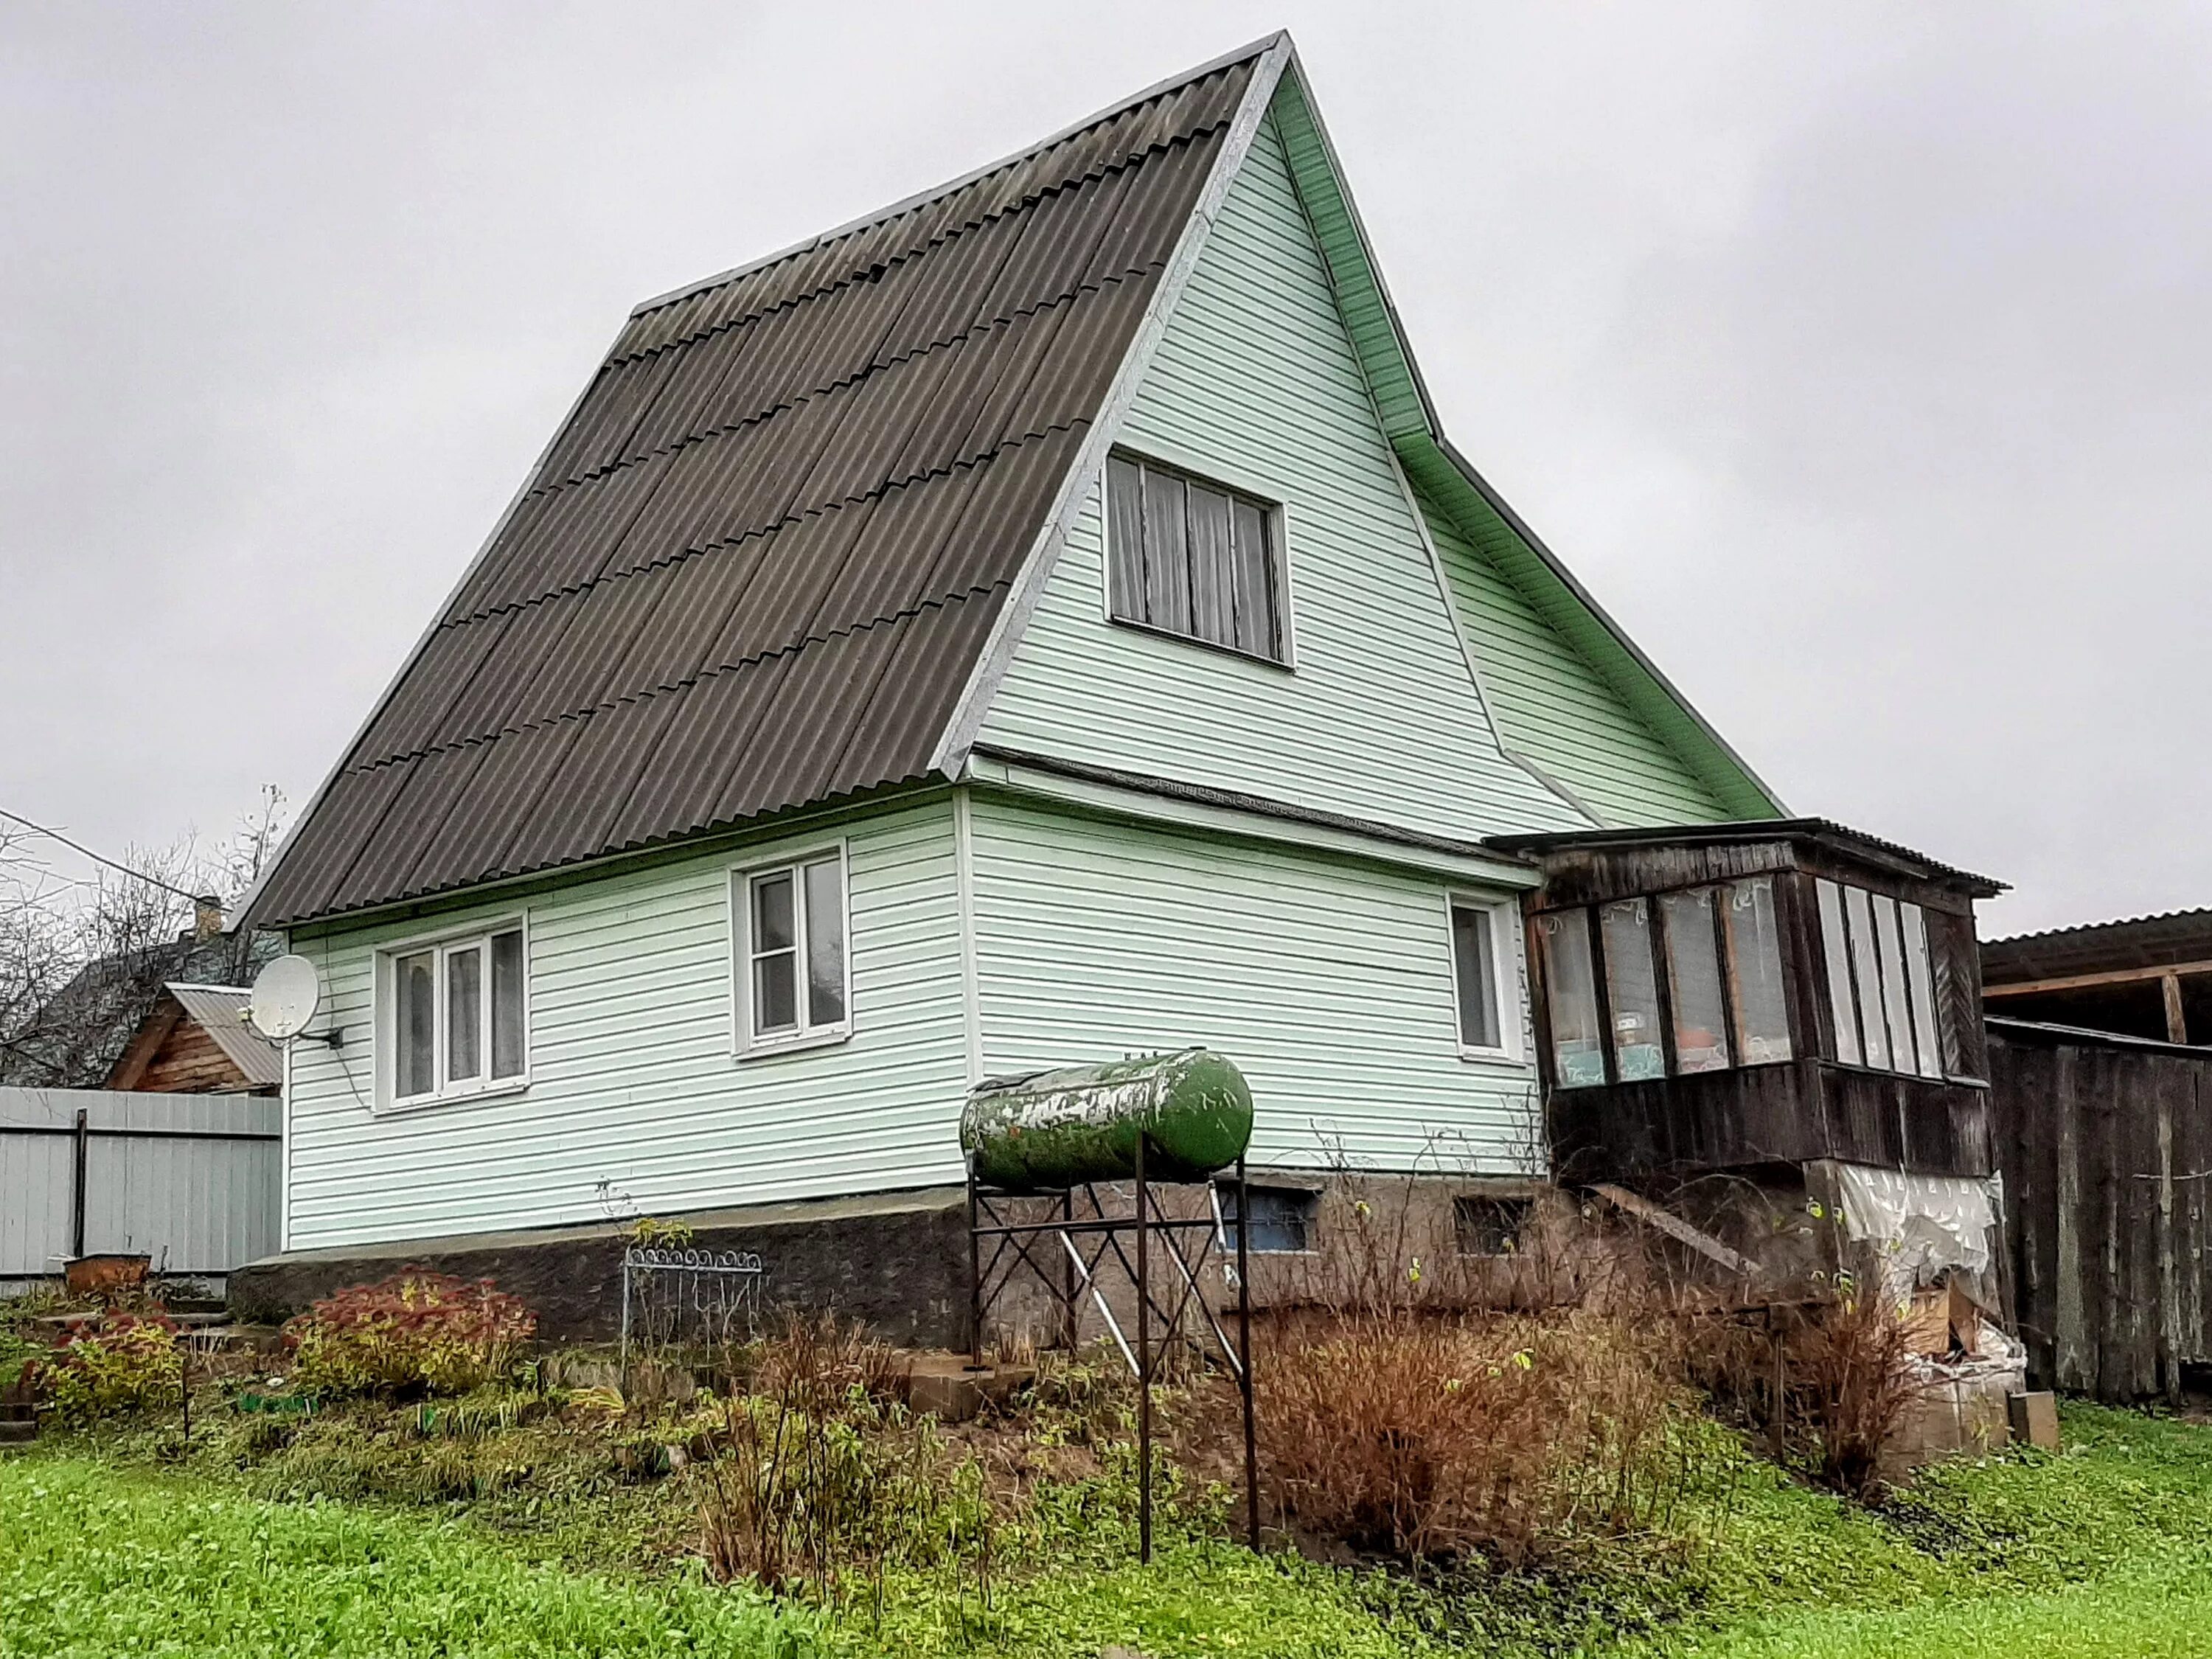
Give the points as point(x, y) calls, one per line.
point(417, 1332)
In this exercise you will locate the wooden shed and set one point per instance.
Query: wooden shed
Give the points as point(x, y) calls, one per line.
point(195, 1040)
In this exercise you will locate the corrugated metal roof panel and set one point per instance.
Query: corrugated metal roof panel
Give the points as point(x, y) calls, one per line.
point(757, 566)
point(220, 1011)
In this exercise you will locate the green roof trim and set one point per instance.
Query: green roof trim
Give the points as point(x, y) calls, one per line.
point(1442, 474)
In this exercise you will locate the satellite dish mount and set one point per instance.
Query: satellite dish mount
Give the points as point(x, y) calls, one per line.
point(286, 994)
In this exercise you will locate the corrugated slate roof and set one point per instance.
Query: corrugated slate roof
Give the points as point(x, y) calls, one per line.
point(220, 1011)
point(757, 566)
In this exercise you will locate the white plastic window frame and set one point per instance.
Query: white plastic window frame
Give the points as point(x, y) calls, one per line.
point(1504, 970)
point(1278, 546)
point(385, 994)
point(747, 1042)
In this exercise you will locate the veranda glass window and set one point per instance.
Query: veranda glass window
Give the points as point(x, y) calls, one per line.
point(1693, 980)
point(1754, 942)
point(1882, 981)
point(1633, 991)
point(1571, 980)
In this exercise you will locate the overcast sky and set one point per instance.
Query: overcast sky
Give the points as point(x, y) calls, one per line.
point(1858, 358)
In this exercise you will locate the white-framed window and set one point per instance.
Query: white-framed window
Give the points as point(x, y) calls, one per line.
point(1481, 955)
point(453, 1014)
point(793, 970)
point(1199, 560)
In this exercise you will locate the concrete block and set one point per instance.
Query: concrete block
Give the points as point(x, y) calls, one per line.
point(2034, 1418)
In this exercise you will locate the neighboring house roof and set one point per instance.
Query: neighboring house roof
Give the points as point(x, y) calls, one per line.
point(84, 1029)
point(220, 1011)
point(2172, 940)
point(778, 551)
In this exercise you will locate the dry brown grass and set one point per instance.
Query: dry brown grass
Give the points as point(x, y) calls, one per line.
point(1427, 1435)
point(1845, 1383)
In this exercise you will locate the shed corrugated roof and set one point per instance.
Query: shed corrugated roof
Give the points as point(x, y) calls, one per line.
point(758, 565)
point(220, 1011)
point(2157, 941)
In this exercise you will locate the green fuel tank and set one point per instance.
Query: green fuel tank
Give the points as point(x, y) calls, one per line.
point(1051, 1130)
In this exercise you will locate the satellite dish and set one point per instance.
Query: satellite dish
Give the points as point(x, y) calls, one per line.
point(286, 994)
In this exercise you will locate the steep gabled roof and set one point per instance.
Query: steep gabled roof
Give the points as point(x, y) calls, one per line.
point(781, 548)
point(757, 565)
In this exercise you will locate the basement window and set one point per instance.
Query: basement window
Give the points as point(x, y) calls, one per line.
point(1195, 559)
point(456, 1017)
point(1483, 1225)
point(1282, 1219)
point(794, 977)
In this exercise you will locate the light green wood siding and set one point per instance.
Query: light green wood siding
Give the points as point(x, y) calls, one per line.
point(632, 1076)
point(1327, 981)
point(1255, 383)
point(1553, 706)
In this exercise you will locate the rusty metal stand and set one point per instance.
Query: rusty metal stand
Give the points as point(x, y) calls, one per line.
point(1186, 1248)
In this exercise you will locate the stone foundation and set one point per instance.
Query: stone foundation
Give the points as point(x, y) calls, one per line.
point(897, 1262)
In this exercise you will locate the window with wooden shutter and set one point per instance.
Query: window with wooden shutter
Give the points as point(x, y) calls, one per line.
point(1195, 559)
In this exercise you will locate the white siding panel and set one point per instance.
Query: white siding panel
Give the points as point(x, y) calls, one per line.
point(1257, 383)
point(632, 1079)
point(1328, 982)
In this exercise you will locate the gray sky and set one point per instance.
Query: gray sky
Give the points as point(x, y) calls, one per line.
point(1858, 358)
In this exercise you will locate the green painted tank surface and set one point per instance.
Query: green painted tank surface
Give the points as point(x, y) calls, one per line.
point(1055, 1130)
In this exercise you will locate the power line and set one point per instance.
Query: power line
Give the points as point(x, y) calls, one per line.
point(78, 847)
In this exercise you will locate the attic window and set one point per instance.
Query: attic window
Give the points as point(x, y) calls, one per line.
point(1195, 559)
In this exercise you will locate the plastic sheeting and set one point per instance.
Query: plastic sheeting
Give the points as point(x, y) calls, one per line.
point(1924, 1223)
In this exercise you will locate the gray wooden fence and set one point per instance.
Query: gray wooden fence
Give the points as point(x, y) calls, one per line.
point(2105, 1143)
point(192, 1180)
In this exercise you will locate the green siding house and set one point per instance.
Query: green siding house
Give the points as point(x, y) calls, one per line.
point(1038, 622)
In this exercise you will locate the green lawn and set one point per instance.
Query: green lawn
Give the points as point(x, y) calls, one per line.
point(98, 1563)
point(2103, 1550)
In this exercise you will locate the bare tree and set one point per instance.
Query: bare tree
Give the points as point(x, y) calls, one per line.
point(80, 962)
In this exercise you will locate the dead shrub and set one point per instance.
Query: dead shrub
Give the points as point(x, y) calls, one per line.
point(1429, 1436)
point(1843, 1381)
point(814, 1476)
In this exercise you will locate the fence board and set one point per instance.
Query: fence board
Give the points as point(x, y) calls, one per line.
point(197, 1206)
point(2106, 1156)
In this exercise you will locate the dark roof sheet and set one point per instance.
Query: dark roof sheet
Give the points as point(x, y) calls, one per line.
point(2099, 947)
point(1754, 829)
point(758, 565)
